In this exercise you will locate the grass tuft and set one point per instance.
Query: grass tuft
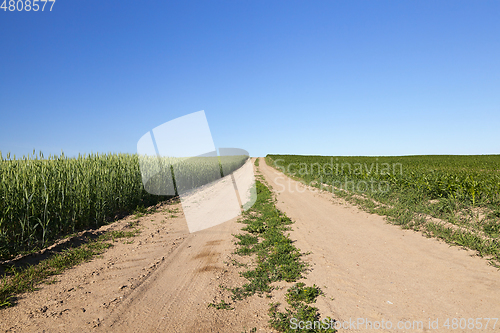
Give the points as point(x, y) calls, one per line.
point(277, 259)
point(300, 312)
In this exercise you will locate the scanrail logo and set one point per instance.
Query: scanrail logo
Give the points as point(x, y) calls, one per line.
point(179, 158)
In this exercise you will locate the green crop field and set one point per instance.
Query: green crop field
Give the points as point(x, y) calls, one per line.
point(43, 199)
point(461, 191)
point(170, 176)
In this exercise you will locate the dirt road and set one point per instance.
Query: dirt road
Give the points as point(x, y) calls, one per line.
point(377, 271)
point(160, 281)
point(164, 279)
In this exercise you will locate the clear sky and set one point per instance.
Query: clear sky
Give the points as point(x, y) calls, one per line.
point(332, 77)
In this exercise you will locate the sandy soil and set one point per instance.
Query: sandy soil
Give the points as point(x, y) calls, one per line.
point(376, 271)
point(164, 280)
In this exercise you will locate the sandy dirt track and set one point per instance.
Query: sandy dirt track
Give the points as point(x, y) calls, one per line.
point(165, 279)
point(162, 282)
point(378, 271)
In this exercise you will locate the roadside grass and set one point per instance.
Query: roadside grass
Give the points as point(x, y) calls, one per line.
point(256, 162)
point(300, 315)
point(172, 212)
point(482, 238)
point(115, 234)
point(21, 280)
point(141, 211)
point(222, 305)
point(276, 259)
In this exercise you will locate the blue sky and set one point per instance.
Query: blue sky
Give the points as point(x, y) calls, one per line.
point(291, 77)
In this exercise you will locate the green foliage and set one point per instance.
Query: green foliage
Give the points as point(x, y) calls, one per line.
point(44, 199)
point(177, 175)
point(277, 258)
point(298, 297)
point(300, 293)
point(115, 234)
point(246, 244)
point(222, 305)
point(474, 180)
point(492, 228)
